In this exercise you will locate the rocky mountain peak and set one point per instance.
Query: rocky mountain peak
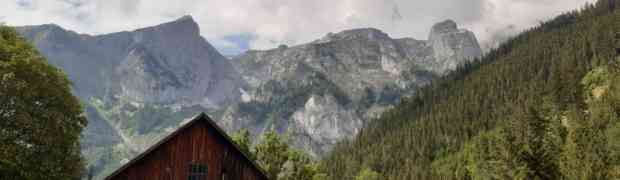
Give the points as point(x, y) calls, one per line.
point(48, 27)
point(452, 46)
point(49, 31)
point(356, 34)
point(184, 25)
point(169, 63)
point(363, 32)
point(444, 26)
point(186, 18)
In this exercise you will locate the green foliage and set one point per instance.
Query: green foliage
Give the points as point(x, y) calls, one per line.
point(613, 143)
point(527, 148)
point(541, 147)
point(585, 154)
point(40, 121)
point(271, 153)
point(368, 174)
point(505, 114)
point(280, 161)
point(150, 117)
point(319, 176)
point(299, 166)
point(242, 138)
point(492, 156)
point(596, 82)
point(143, 119)
point(450, 165)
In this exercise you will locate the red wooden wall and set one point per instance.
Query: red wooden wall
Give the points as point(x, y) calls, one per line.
point(198, 143)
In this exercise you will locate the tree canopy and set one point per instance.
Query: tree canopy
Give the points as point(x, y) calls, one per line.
point(278, 159)
point(40, 120)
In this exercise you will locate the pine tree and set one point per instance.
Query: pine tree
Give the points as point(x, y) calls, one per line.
point(584, 154)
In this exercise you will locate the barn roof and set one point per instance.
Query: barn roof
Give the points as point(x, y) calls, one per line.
point(201, 117)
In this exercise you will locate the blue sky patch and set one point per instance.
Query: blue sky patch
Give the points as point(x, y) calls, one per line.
point(24, 3)
point(241, 42)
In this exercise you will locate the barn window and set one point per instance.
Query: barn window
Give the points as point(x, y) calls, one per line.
point(224, 175)
point(198, 172)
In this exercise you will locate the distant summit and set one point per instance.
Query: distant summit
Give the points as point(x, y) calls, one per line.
point(363, 33)
point(158, 64)
point(452, 45)
point(184, 25)
point(444, 26)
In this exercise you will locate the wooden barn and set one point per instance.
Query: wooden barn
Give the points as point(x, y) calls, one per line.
point(199, 150)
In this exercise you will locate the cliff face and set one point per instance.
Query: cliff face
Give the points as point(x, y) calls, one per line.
point(165, 64)
point(138, 85)
point(452, 46)
point(323, 91)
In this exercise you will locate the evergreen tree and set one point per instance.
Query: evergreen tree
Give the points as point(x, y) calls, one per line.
point(585, 153)
point(540, 144)
point(494, 156)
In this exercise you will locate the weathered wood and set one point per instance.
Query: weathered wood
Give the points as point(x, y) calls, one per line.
point(200, 141)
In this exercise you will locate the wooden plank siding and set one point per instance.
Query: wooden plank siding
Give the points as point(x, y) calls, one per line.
point(199, 141)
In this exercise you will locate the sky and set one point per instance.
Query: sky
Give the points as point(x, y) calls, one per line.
point(234, 26)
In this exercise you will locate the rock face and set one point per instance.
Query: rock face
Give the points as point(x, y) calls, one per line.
point(164, 64)
point(452, 46)
point(137, 86)
point(325, 121)
point(323, 91)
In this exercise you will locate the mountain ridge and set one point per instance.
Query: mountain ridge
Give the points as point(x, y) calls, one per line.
point(139, 84)
point(357, 66)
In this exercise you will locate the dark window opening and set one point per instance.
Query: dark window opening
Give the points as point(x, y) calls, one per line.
point(224, 175)
point(198, 172)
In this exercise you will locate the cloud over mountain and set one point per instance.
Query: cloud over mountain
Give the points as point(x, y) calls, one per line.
point(233, 25)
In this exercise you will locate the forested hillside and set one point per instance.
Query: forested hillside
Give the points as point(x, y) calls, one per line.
point(543, 105)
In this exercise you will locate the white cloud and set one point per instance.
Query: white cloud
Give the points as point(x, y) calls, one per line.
point(274, 22)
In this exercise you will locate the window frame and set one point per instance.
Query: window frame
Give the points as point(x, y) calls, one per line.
point(197, 171)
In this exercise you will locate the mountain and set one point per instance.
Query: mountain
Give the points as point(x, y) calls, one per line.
point(137, 86)
point(165, 64)
point(326, 90)
point(544, 105)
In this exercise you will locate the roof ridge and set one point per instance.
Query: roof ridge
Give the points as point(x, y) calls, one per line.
point(173, 134)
